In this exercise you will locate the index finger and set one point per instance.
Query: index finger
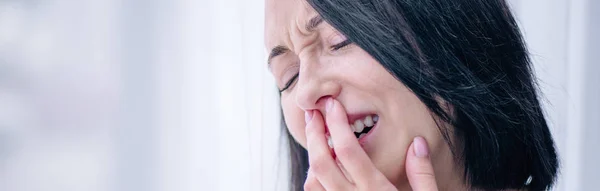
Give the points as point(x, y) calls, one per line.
point(321, 162)
point(345, 145)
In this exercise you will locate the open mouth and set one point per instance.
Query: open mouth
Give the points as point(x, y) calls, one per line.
point(361, 127)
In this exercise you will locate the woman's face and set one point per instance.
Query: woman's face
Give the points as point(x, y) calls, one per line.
point(314, 50)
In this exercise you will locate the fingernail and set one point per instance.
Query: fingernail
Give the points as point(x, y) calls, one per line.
point(420, 147)
point(307, 116)
point(329, 104)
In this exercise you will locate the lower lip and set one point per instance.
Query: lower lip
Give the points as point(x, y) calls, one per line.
point(366, 137)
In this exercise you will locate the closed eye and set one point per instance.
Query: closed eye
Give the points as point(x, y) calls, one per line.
point(289, 83)
point(341, 45)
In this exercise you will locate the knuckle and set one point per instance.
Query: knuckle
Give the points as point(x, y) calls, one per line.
point(370, 184)
point(424, 175)
point(318, 165)
point(421, 169)
point(364, 186)
point(424, 170)
point(344, 151)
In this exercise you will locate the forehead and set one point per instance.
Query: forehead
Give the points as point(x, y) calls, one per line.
point(282, 16)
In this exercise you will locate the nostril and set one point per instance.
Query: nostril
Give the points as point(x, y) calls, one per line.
point(323, 101)
point(312, 91)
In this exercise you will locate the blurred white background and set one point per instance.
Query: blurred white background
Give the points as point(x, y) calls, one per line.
point(175, 95)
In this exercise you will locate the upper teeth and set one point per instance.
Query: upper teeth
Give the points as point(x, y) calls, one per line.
point(360, 124)
point(368, 121)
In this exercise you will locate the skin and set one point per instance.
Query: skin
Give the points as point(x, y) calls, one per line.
point(352, 83)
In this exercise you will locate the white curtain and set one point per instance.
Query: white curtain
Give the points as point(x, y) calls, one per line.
point(175, 95)
point(136, 95)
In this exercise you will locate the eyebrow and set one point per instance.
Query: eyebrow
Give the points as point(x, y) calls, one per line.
point(311, 25)
point(278, 50)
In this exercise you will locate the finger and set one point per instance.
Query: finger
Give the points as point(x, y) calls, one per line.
point(344, 171)
point(418, 166)
point(312, 184)
point(345, 145)
point(320, 158)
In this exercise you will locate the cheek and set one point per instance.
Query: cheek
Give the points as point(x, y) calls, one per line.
point(405, 118)
point(403, 109)
point(420, 122)
point(294, 119)
point(411, 117)
point(416, 117)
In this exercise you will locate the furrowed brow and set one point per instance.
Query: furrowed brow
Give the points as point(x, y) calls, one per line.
point(278, 50)
point(313, 23)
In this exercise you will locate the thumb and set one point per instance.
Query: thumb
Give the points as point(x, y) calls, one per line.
point(418, 166)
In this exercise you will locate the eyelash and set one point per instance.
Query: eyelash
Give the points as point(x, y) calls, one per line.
point(289, 83)
point(333, 48)
point(341, 45)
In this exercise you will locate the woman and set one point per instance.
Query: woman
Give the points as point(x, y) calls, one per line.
point(401, 94)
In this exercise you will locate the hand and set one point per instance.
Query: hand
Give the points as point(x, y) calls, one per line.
point(349, 167)
point(418, 166)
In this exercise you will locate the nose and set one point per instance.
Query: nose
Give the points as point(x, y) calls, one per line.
point(315, 83)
